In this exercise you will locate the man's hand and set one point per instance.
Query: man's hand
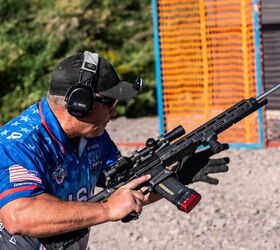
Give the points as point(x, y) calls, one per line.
point(196, 167)
point(126, 199)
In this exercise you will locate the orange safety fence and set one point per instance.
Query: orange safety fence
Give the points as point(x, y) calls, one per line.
point(207, 56)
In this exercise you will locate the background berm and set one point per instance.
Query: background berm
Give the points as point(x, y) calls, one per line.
point(241, 212)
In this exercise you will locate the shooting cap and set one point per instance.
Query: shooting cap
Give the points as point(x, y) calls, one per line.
point(104, 78)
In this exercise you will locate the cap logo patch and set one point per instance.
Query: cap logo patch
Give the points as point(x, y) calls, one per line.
point(90, 66)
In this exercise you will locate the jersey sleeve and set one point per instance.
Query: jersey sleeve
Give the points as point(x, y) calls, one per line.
point(20, 173)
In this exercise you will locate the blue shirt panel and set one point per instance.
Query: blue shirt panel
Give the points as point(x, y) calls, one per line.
point(36, 157)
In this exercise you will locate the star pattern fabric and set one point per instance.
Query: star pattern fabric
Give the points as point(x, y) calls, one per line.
point(35, 143)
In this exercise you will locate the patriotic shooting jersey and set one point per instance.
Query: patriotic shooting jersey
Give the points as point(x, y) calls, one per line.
point(37, 157)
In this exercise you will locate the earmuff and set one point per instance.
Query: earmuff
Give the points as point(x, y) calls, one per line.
point(80, 96)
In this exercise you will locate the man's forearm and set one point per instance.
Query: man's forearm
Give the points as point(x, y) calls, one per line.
point(49, 216)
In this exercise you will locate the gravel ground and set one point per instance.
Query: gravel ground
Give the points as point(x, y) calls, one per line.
point(242, 212)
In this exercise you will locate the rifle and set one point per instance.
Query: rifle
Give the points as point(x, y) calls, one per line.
point(162, 153)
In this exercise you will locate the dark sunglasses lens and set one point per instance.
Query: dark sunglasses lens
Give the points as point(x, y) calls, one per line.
point(110, 102)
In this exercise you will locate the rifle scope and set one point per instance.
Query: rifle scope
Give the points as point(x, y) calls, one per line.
point(152, 145)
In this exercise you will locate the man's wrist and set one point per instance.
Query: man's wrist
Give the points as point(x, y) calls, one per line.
point(106, 212)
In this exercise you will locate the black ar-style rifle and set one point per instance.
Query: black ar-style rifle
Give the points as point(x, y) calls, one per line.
point(162, 153)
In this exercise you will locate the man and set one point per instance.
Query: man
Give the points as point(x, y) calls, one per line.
point(54, 153)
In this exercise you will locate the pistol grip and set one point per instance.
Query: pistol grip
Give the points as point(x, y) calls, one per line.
point(130, 217)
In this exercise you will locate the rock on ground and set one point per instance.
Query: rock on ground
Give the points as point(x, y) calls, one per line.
point(242, 212)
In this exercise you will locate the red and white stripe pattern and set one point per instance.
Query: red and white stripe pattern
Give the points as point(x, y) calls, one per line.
point(18, 174)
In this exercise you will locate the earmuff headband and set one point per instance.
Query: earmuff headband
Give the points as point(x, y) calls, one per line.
point(90, 62)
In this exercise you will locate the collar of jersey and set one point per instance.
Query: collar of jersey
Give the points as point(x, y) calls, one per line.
point(52, 125)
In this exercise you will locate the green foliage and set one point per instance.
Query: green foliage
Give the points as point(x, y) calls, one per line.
point(35, 35)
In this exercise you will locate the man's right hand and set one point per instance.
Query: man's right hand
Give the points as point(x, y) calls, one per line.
point(125, 200)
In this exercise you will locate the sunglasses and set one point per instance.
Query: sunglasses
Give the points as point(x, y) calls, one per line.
point(109, 102)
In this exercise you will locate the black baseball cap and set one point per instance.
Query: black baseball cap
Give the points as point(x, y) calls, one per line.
point(105, 82)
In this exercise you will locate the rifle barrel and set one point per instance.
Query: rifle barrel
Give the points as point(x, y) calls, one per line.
point(267, 93)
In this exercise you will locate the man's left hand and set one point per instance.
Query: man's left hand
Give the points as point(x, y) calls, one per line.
point(196, 167)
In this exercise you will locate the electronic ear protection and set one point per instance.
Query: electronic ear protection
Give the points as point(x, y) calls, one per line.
point(80, 96)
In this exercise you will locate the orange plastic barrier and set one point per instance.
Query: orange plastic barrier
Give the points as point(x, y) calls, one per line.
point(207, 59)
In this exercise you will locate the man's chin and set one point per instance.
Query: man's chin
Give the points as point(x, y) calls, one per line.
point(96, 134)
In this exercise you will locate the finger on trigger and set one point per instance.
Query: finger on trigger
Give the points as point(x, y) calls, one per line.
point(138, 195)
